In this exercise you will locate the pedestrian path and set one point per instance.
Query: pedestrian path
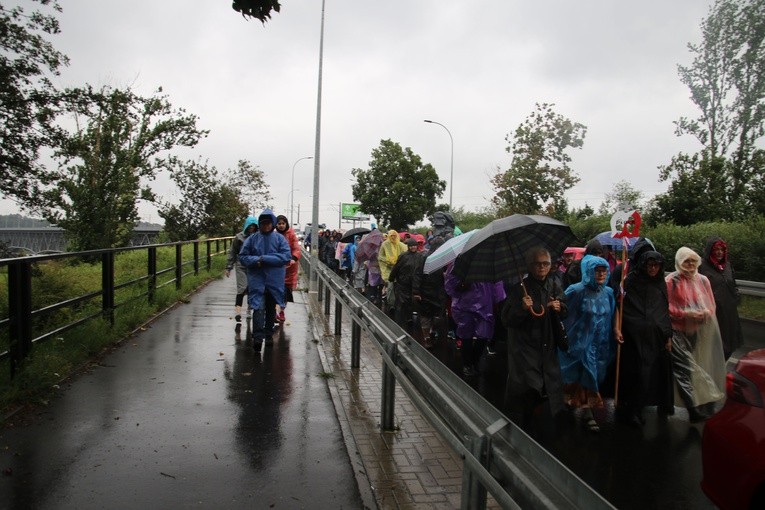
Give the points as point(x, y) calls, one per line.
point(411, 467)
point(185, 415)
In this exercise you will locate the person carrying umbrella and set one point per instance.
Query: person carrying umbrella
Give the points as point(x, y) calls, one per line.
point(366, 253)
point(531, 313)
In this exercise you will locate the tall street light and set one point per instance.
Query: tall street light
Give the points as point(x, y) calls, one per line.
point(292, 186)
point(313, 275)
point(451, 171)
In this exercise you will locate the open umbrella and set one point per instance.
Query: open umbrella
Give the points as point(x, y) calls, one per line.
point(496, 252)
point(350, 234)
point(369, 246)
point(606, 239)
point(447, 252)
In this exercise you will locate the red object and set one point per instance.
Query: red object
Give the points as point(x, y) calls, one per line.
point(578, 252)
point(631, 227)
point(733, 446)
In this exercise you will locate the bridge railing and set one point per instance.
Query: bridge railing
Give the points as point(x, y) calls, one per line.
point(24, 325)
point(498, 456)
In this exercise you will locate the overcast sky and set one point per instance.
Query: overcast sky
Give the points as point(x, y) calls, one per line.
point(476, 67)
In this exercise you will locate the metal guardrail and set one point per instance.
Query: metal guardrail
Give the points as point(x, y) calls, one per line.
point(498, 456)
point(749, 288)
point(103, 301)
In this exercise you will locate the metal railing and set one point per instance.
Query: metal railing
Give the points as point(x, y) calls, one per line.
point(749, 288)
point(498, 456)
point(21, 315)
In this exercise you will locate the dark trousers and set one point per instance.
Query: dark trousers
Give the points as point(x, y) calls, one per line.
point(263, 319)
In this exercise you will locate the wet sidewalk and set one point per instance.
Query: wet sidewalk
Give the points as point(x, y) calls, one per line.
point(185, 415)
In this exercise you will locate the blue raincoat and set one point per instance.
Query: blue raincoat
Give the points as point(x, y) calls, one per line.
point(265, 255)
point(589, 325)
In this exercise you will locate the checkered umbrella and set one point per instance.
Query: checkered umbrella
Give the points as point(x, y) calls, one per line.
point(497, 251)
point(447, 252)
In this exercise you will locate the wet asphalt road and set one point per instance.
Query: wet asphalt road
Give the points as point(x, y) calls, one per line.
point(186, 415)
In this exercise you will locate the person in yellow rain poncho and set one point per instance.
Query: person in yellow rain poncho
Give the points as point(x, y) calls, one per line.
point(389, 252)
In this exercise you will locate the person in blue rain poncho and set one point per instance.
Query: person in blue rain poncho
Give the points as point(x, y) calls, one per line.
point(591, 334)
point(265, 254)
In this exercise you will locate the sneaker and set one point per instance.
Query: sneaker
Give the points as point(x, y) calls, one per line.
point(280, 317)
point(257, 345)
point(238, 318)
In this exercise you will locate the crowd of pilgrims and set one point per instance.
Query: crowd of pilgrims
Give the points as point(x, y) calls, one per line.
point(673, 334)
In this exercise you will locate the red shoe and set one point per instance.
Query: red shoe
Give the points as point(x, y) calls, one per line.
point(280, 317)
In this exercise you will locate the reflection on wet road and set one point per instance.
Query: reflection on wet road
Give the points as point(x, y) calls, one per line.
point(186, 415)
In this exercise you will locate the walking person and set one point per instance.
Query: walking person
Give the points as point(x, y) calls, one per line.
point(387, 256)
point(240, 272)
point(429, 299)
point(698, 361)
point(645, 371)
point(402, 276)
point(716, 266)
point(591, 332)
point(472, 306)
point(291, 275)
point(265, 254)
point(533, 369)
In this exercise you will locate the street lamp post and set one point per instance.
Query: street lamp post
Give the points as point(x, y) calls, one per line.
point(451, 170)
point(292, 186)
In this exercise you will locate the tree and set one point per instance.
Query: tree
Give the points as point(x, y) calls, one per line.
point(397, 188)
point(540, 171)
point(697, 192)
point(211, 204)
point(727, 83)
point(120, 142)
point(623, 197)
point(250, 183)
point(28, 100)
point(259, 9)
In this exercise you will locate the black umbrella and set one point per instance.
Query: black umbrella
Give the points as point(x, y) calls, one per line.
point(497, 251)
point(350, 234)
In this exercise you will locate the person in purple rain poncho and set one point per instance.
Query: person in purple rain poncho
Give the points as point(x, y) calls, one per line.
point(473, 313)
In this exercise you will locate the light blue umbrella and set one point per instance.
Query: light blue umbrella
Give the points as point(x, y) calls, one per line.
point(607, 239)
point(447, 252)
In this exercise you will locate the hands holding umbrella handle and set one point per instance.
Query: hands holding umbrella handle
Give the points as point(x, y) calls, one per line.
point(528, 303)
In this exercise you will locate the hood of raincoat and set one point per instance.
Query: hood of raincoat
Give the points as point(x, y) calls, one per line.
point(709, 246)
point(392, 236)
point(251, 220)
point(286, 221)
point(267, 213)
point(589, 263)
point(681, 256)
point(642, 264)
point(593, 247)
